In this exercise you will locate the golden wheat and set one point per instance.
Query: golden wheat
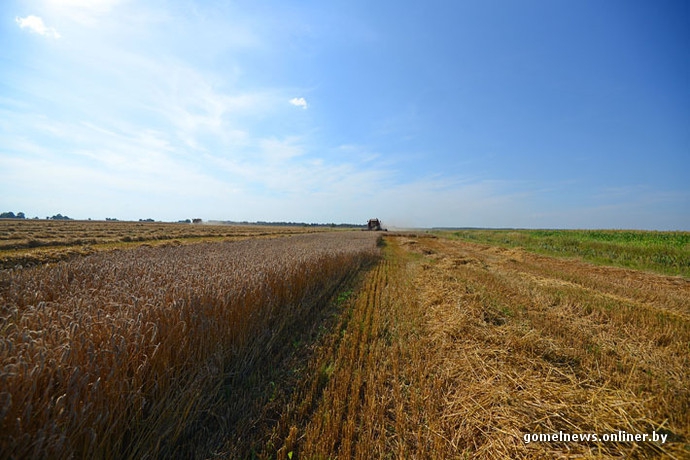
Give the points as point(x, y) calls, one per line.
point(124, 354)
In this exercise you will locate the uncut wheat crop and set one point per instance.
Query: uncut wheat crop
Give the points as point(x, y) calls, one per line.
point(119, 353)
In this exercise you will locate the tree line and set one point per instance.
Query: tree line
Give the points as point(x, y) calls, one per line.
point(21, 215)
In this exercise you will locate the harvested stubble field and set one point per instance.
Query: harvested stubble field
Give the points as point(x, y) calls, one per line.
point(458, 350)
point(442, 349)
point(28, 242)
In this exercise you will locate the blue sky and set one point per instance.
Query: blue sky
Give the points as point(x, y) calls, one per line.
point(558, 114)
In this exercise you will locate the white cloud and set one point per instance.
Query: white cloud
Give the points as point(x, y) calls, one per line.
point(299, 102)
point(35, 24)
point(193, 103)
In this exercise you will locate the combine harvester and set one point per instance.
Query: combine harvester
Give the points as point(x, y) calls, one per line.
point(374, 225)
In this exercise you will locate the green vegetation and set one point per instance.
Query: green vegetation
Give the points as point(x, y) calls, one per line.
point(662, 252)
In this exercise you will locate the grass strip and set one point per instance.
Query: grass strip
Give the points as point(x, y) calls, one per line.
point(660, 252)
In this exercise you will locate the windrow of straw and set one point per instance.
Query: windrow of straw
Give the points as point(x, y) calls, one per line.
point(126, 353)
point(530, 344)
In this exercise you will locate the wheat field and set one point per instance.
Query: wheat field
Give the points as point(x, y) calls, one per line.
point(122, 354)
point(341, 345)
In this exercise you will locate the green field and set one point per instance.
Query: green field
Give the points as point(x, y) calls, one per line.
point(661, 252)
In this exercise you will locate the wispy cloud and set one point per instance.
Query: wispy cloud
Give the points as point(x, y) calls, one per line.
point(299, 102)
point(85, 12)
point(36, 25)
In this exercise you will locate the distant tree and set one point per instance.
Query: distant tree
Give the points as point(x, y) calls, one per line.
point(60, 217)
point(8, 215)
point(196, 221)
point(20, 215)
